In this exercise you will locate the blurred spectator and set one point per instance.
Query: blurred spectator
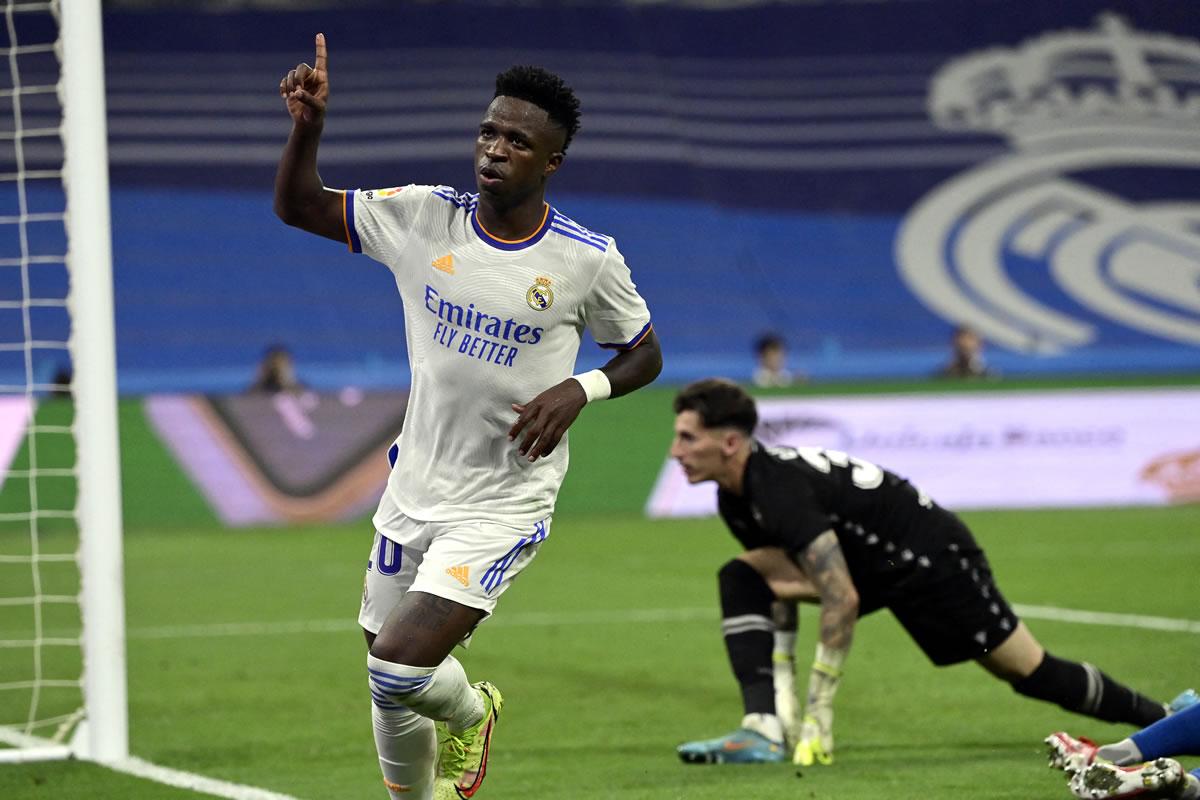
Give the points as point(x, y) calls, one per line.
point(62, 381)
point(276, 372)
point(966, 356)
point(770, 352)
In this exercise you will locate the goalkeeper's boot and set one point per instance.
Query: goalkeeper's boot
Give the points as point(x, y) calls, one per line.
point(463, 757)
point(1184, 700)
point(1161, 778)
point(1068, 753)
point(746, 745)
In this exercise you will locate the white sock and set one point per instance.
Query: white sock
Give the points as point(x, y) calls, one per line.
point(407, 747)
point(1124, 753)
point(440, 693)
point(787, 706)
point(1191, 788)
point(766, 724)
point(785, 644)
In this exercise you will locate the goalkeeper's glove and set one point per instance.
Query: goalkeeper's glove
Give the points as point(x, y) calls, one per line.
point(815, 744)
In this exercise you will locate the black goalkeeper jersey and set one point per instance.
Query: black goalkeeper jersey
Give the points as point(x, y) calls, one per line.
point(892, 535)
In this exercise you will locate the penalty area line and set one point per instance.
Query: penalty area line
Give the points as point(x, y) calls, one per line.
point(523, 619)
point(190, 780)
point(1054, 614)
point(536, 619)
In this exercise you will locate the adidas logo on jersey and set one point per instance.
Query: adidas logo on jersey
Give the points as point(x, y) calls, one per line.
point(445, 263)
point(461, 574)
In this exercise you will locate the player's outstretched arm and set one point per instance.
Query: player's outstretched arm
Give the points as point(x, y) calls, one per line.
point(301, 199)
point(542, 421)
point(825, 566)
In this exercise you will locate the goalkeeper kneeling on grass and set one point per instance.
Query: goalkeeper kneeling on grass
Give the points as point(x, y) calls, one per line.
point(822, 526)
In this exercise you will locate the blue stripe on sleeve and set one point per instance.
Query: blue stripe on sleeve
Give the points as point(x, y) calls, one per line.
point(348, 219)
point(631, 343)
point(564, 232)
point(574, 227)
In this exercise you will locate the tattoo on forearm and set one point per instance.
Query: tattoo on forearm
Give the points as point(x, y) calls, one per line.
point(826, 567)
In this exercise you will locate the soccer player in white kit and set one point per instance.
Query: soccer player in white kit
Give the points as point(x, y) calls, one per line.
point(497, 288)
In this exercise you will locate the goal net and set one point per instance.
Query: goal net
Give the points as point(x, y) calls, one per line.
point(62, 671)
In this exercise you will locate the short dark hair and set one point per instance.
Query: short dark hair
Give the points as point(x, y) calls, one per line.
point(767, 341)
point(546, 91)
point(721, 403)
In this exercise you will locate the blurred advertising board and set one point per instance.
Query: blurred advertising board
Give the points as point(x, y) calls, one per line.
point(15, 414)
point(284, 457)
point(992, 450)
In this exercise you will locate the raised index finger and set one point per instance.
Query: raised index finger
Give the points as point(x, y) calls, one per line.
point(322, 55)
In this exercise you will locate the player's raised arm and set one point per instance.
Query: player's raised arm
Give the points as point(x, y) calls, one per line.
point(825, 566)
point(301, 199)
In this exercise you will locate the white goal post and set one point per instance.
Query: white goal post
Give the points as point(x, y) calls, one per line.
point(102, 731)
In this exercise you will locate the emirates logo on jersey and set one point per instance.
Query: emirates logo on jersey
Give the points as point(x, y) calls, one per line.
point(540, 296)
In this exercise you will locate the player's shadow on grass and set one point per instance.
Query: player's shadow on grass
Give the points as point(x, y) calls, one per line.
point(939, 752)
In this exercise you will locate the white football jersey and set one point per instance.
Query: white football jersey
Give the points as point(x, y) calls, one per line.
point(488, 323)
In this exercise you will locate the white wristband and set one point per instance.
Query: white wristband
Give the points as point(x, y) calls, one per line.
point(595, 385)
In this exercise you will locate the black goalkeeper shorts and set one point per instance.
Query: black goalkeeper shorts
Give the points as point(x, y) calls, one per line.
point(957, 613)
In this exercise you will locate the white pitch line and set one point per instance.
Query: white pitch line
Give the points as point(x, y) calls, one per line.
point(533, 619)
point(190, 780)
point(1054, 614)
point(237, 791)
point(36, 748)
point(630, 616)
point(214, 630)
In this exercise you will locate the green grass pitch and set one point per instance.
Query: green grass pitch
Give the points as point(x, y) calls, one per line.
point(245, 664)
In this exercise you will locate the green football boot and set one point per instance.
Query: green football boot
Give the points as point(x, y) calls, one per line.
point(463, 757)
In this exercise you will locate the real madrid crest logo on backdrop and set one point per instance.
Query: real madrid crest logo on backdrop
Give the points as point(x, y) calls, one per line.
point(540, 296)
point(974, 249)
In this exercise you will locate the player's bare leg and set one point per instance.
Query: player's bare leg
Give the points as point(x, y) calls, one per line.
point(414, 681)
point(1076, 686)
point(1016, 657)
point(423, 628)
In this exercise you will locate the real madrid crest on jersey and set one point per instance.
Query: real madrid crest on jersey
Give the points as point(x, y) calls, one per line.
point(540, 296)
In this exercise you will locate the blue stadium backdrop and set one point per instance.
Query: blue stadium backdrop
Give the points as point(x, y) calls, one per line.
point(858, 176)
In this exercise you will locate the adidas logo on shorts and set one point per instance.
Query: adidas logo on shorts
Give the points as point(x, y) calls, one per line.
point(461, 574)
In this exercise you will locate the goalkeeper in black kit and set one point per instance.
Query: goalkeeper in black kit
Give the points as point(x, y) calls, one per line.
point(821, 526)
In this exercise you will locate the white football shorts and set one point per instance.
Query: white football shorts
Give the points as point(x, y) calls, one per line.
point(472, 563)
